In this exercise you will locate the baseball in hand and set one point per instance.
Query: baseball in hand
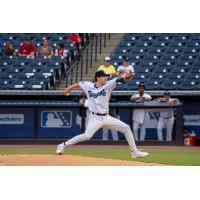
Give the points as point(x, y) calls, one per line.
point(67, 92)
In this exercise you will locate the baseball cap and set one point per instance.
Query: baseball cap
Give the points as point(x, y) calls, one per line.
point(100, 73)
point(107, 59)
point(141, 85)
point(126, 59)
point(167, 93)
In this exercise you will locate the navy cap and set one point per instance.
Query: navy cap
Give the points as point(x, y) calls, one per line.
point(141, 86)
point(126, 59)
point(100, 73)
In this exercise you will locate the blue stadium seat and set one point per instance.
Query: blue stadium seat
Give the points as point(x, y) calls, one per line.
point(182, 71)
point(44, 81)
point(179, 76)
point(168, 85)
point(131, 86)
point(193, 76)
point(191, 50)
point(158, 76)
point(188, 85)
point(157, 49)
point(160, 44)
point(170, 57)
point(143, 69)
point(12, 71)
point(176, 50)
point(37, 85)
point(3, 68)
point(162, 69)
point(152, 87)
point(6, 76)
point(18, 85)
point(120, 86)
point(4, 87)
point(194, 70)
point(195, 37)
point(141, 75)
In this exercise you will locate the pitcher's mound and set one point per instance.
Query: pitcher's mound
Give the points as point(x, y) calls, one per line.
point(65, 160)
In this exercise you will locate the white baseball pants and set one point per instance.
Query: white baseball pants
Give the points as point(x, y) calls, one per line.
point(136, 126)
point(96, 122)
point(168, 123)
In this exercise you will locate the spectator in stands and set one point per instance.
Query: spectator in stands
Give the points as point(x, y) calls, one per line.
point(9, 50)
point(126, 66)
point(78, 41)
point(27, 48)
point(76, 38)
point(107, 67)
point(45, 49)
point(61, 51)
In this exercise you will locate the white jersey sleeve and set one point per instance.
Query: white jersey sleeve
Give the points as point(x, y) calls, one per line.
point(134, 96)
point(110, 85)
point(84, 85)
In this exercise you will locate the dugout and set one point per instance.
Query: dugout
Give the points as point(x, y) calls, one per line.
point(25, 114)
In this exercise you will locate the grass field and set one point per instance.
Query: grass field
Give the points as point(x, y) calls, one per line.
point(173, 156)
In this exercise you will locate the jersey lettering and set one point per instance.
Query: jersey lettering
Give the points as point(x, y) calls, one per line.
point(95, 95)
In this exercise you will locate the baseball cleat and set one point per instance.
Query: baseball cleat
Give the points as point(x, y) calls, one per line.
point(60, 149)
point(139, 154)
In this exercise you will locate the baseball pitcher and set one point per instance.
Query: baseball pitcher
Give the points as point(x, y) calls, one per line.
point(98, 95)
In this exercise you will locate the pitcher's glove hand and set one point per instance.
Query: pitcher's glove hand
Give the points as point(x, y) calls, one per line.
point(125, 75)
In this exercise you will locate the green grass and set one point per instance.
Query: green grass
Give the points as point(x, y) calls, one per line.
point(190, 157)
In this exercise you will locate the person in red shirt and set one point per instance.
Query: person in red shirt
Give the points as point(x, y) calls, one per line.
point(76, 38)
point(27, 48)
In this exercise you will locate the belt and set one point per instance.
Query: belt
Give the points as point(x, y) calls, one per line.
point(100, 114)
point(166, 117)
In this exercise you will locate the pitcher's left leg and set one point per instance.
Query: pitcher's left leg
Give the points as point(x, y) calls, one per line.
point(117, 125)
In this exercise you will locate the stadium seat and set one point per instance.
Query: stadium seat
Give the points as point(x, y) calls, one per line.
point(120, 86)
point(188, 85)
point(168, 85)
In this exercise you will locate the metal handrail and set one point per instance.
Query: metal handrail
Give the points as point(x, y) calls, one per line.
point(96, 44)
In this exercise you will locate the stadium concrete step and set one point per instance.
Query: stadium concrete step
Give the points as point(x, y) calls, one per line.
point(105, 51)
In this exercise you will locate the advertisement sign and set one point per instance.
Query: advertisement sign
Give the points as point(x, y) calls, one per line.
point(16, 122)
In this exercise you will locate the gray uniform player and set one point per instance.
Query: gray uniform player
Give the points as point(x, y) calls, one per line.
point(98, 95)
point(166, 118)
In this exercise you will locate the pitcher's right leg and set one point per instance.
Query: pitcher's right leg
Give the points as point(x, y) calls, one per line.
point(94, 123)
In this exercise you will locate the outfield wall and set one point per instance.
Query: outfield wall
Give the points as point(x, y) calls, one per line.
point(51, 121)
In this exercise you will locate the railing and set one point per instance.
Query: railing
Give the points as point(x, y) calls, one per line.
point(87, 57)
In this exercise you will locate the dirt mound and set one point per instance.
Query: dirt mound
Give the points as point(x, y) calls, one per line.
point(65, 160)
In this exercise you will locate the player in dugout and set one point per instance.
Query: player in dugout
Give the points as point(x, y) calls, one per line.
point(166, 118)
